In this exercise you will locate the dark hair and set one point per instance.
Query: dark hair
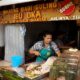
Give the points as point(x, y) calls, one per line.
point(46, 33)
point(43, 34)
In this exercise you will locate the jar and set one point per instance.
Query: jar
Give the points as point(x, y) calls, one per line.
point(53, 73)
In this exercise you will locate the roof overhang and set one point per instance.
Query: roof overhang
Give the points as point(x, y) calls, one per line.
point(11, 2)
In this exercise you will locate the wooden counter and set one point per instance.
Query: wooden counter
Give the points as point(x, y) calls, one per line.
point(9, 68)
point(46, 78)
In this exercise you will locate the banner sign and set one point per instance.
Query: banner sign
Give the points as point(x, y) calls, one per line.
point(41, 12)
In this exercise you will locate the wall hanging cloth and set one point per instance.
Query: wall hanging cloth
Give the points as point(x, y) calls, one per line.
point(14, 40)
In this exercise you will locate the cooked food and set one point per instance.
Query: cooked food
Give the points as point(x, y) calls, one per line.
point(73, 50)
point(35, 70)
point(32, 66)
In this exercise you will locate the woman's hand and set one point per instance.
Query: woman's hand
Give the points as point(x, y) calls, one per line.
point(34, 52)
point(58, 53)
point(37, 53)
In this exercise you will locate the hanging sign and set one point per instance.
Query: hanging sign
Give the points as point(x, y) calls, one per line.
point(41, 12)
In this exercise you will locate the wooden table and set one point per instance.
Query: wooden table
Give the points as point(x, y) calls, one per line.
point(9, 68)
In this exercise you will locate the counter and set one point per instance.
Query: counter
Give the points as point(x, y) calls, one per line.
point(66, 54)
point(4, 65)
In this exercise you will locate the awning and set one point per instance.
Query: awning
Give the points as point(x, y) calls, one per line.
point(10, 2)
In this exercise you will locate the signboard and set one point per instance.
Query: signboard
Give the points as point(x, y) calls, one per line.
point(9, 2)
point(41, 12)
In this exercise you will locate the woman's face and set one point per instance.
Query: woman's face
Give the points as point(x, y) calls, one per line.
point(47, 39)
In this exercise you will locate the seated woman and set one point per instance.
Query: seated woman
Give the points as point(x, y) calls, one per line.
point(59, 39)
point(62, 43)
point(45, 48)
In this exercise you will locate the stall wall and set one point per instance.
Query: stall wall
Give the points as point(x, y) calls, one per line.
point(2, 38)
point(1, 35)
point(14, 41)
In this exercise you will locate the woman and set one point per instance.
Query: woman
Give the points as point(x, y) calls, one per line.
point(45, 48)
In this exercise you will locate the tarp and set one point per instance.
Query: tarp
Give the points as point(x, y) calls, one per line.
point(14, 40)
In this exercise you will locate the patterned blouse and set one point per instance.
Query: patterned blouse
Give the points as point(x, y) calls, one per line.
point(40, 45)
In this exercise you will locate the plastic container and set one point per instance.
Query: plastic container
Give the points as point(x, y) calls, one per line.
point(16, 61)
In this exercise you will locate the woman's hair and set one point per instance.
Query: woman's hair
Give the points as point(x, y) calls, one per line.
point(43, 34)
point(46, 33)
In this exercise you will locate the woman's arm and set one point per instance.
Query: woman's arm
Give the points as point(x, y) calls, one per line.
point(34, 52)
point(56, 49)
point(34, 49)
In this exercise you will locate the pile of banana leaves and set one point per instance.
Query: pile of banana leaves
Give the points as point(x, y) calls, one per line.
point(9, 75)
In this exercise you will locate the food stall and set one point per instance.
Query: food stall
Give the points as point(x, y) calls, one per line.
point(54, 68)
point(66, 67)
